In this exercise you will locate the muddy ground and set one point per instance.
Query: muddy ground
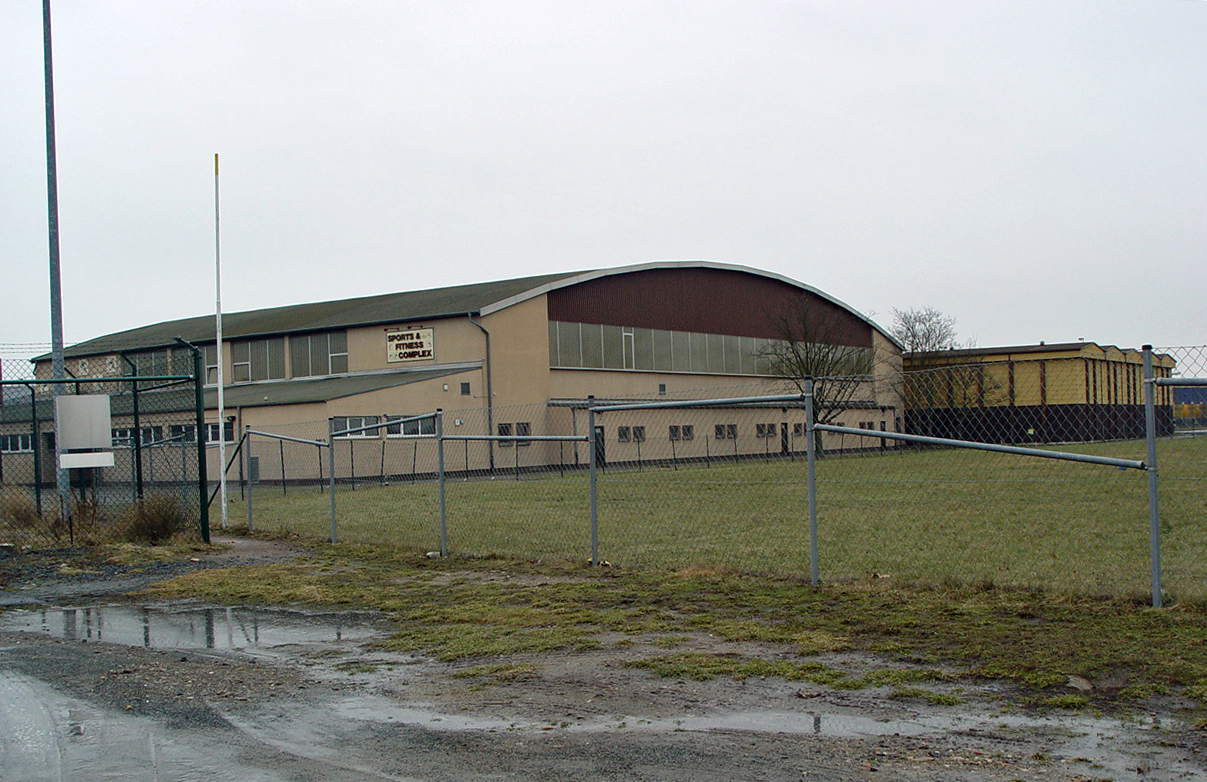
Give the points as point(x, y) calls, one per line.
point(337, 709)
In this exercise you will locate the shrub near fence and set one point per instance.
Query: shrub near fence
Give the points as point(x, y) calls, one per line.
point(151, 491)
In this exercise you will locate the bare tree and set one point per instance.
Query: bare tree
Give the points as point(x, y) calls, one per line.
point(813, 345)
point(926, 329)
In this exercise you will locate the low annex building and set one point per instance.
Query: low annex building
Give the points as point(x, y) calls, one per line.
point(515, 357)
point(1066, 392)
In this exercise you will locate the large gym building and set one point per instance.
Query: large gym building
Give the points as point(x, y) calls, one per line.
point(519, 357)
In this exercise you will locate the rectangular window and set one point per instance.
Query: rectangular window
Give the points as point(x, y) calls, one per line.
point(154, 362)
point(16, 443)
point(182, 433)
point(210, 357)
point(718, 432)
point(419, 428)
point(673, 431)
point(760, 430)
point(240, 362)
point(639, 434)
point(688, 431)
point(643, 349)
point(523, 429)
point(211, 432)
point(591, 339)
point(124, 435)
point(699, 352)
point(613, 347)
point(505, 431)
point(465, 389)
point(798, 430)
point(663, 356)
point(313, 355)
point(731, 431)
point(342, 423)
point(623, 434)
point(338, 352)
point(569, 345)
point(681, 355)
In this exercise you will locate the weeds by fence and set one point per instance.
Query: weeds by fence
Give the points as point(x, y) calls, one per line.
point(149, 491)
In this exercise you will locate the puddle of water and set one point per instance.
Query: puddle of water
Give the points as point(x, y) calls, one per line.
point(167, 627)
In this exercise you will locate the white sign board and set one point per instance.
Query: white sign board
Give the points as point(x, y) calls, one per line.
point(82, 422)
point(68, 461)
point(409, 345)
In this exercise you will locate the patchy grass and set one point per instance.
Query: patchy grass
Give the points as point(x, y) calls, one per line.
point(480, 609)
point(949, 518)
point(930, 696)
point(499, 672)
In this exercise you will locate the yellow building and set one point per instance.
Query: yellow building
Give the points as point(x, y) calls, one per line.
point(1074, 391)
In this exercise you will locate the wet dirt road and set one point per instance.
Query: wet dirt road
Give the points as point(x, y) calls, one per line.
point(111, 690)
point(305, 700)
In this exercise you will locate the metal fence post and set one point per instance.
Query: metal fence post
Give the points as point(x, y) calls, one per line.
point(36, 444)
point(811, 480)
point(1150, 438)
point(440, 479)
point(591, 470)
point(203, 483)
point(246, 446)
point(331, 471)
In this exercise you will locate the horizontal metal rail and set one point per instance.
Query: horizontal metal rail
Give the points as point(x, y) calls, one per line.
point(1108, 461)
point(1181, 381)
point(270, 435)
point(116, 379)
point(746, 400)
point(581, 438)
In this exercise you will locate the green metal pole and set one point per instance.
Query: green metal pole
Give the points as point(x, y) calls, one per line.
point(202, 476)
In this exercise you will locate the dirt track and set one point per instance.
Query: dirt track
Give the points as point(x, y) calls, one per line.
point(337, 710)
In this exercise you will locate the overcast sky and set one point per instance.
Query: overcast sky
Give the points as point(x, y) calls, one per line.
point(1035, 168)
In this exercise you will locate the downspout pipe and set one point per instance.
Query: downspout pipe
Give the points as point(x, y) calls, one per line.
point(490, 396)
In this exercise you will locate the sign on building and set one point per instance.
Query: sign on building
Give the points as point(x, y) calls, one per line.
point(409, 345)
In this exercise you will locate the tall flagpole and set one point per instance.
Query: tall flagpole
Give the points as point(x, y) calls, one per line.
point(218, 318)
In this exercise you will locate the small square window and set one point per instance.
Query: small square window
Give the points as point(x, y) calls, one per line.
point(798, 430)
point(662, 388)
point(639, 434)
point(719, 432)
point(688, 432)
point(465, 389)
point(623, 434)
point(731, 431)
point(674, 432)
point(505, 431)
point(523, 429)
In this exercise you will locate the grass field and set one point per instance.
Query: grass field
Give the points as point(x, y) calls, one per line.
point(944, 517)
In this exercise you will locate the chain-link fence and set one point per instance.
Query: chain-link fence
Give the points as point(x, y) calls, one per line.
point(1182, 476)
point(722, 485)
point(138, 479)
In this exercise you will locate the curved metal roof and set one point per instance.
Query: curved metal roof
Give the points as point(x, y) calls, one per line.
point(479, 298)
